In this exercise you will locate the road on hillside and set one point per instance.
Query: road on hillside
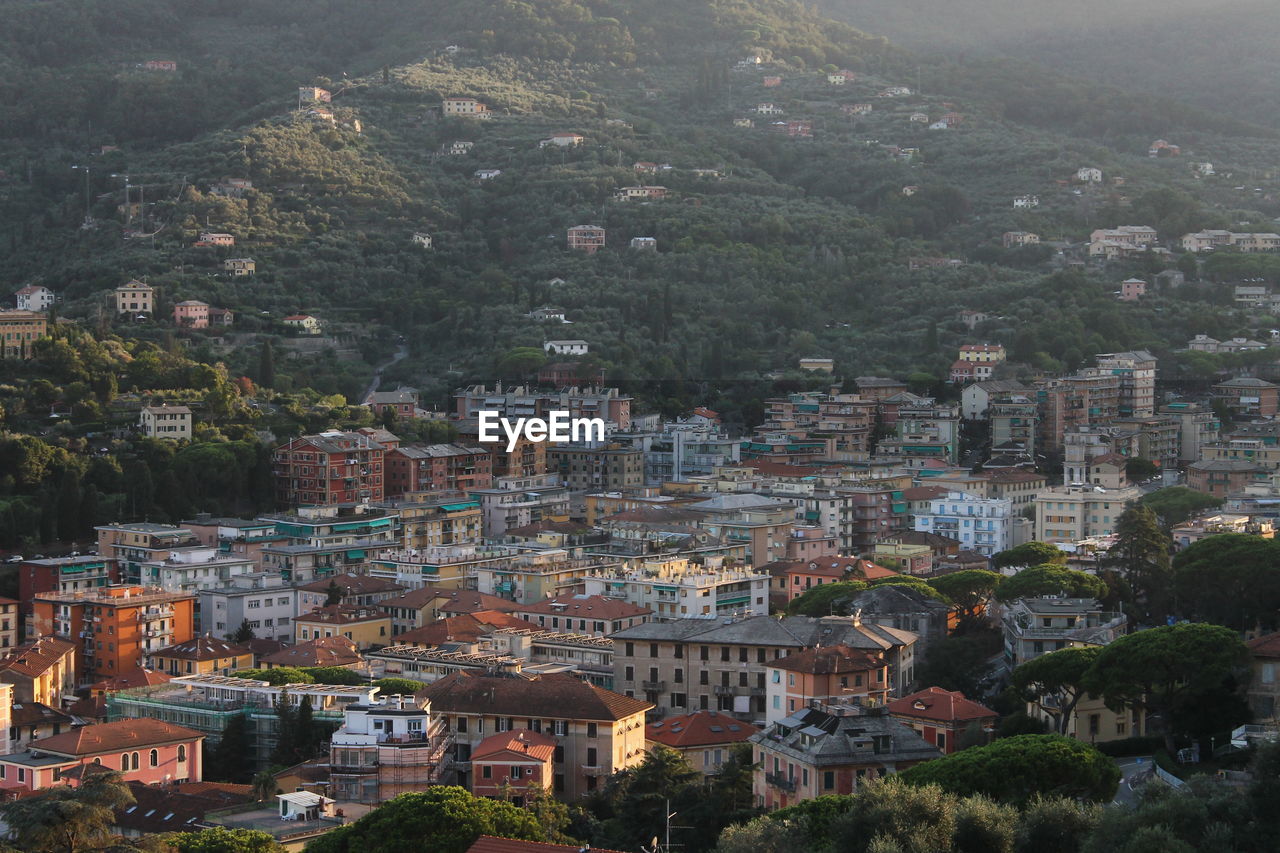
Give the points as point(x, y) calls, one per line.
point(1134, 773)
point(401, 352)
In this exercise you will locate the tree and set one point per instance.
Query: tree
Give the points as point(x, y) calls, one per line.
point(1175, 504)
point(264, 785)
point(332, 594)
point(984, 826)
point(969, 592)
point(959, 663)
point(287, 745)
point(267, 366)
point(242, 634)
point(1029, 554)
point(230, 759)
point(828, 599)
point(391, 686)
point(1141, 556)
point(444, 819)
point(1058, 678)
point(1015, 770)
point(763, 835)
point(1050, 580)
point(633, 804)
point(1163, 669)
point(1138, 470)
point(63, 819)
point(220, 839)
point(1056, 825)
point(914, 817)
point(1231, 579)
point(305, 733)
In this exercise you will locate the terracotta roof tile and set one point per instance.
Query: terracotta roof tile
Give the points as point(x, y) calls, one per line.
point(1266, 646)
point(701, 728)
point(110, 737)
point(586, 607)
point(829, 660)
point(535, 745)
point(136, 677)
point(203, 648)
point(935, 703)
point(322, 651)
point(466, 628)
point(555, 696)
point(35, 658)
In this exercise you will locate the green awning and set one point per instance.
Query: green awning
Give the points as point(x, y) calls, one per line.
point(355, 555)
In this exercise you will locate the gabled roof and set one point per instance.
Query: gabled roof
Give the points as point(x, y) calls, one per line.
point(553, 696)
point(522, 743)
point(701, 728)
point(203, 648)
point(466, 628)
point(934, 703)
point(587, 607)
point(1266, 646)
point(353, 585)
point(35, 658)
point(322, 651)
point(112, 737)
point(177, 807)
point(829, 660)
point(37, 713)
point(136, 677)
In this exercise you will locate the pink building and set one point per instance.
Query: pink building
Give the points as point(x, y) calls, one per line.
point(587, 238)
point(144, 750)
point(511, 763)
point(191, 314)
point(1132, 289)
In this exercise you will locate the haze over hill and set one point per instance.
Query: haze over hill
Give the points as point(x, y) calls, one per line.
point(1219, 54)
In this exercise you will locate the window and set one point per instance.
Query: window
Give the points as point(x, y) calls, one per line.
point(559, 728)
point(724, 654)
point(592, 729)
point(154, 758)
point(486, 772)
point(462, 725)
point(653, 650)
point(828, 780)
point(591, 756)
point(705, 653)
point(704, 677)
point(775, 676)
point(629, 674)
point(630, 650)
point(679, 650)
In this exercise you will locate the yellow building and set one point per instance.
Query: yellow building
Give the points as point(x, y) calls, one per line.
point(202, 656)
point(366, 626)
point(19, 330)
point(135, 297)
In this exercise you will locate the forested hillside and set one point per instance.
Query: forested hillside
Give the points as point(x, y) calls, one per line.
point(772, 242)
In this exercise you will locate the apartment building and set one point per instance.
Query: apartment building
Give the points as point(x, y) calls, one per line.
point(386, 748)
point(675, 588)
point(1084, 399)
point(203, 655)
point(596, 732)
point(521, 501)
point(537, 575)
point(115, 628)
point(135, 298)
point(718, 664)
point(62, 574)
point(598, 615)
point(130, 545)
point(438, 468)
point(586, 238)
point(1249, 397)
point(942, 717)
point(263, 599)
point(329, 468)
point(818, 676)
point(19, 331)
point(835, 749)
point(352, 590)
point(365, 625)
point(191, 568)
point(608, 404)
point(1037, 626)
point(41, 671)
point(705, 738)
point(982, 525)
point(464, 107)
point(166, 422)
point(1068, 514)
point(1136, 372)
point(608, 468)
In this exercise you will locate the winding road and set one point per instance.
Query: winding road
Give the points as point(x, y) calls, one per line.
point(401, 352)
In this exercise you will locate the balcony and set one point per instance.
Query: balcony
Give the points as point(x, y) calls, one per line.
point(726, 690)
point(354, 769)
point(654, 685)
point(780, 782)
point(593, 770)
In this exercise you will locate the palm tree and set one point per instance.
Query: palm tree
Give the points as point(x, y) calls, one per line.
point(264, 785)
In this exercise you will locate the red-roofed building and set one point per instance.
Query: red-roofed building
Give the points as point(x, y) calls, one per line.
point(824, 674)
point(467, 628)
point(42, 670)
point(144, 750)
point(322, 651)
point(942, 716)
point(706, 738)
point(798, 577)
point(509, 764)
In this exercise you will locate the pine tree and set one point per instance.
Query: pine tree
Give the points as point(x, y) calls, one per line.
point(286, 751)
point(1141, 557)
point(306, 732)
point(267, 366)
point(333, 594)
point(244, 633)
point(231, 758)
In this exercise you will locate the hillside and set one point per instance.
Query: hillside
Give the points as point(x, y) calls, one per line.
point(770, 247)
point(1170, 49)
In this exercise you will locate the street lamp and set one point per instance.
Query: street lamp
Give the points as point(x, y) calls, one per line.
point(88, 220)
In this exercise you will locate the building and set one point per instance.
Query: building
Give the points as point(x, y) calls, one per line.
point(1037, 626)
point(1223, 477)
point(467, 107)
point(303, 323)
point(35, 297)
point(609, 468)
point(673, 588)
point(321, 651)
point(1014, 239)
point(201, 656)
point(983, 357)
point(239, 267)
point(598, 615)
point(566, 347)
point(135, 298)
point(365, 625)
point(1211, 240)
point(1132, 289)
point(705, 738)
point(608, 404)
point(793, 578)
point(214, 239)
point(131, 544)
point(62, 574)
point(10, 624)
point(1248, 397)
point(1137, 374)
point(905, 609)
point(511, 764)
point(649, 244)
point(723, 659)
point(329, 468)
point(1070, 513)
point(983, 525)
point(821, 365)
point(386, 748)
point(597, 732)
point(438, 468)
point(835, 749)
point(166, 422)
point(943, 717)
point(191, 314)
point(147, 751)
point(1264, 687)
point(643, 192)
point(41, 671)
point(262, 599)
point(19, 331)
point(403, 402)
point(586, 238)
point(813, 677)
point(521, 501)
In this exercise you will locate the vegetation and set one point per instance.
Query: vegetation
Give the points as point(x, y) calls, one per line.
point(1230, 579)
point(63, 819)
point(1050, 579)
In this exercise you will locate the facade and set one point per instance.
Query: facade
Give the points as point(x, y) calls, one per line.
point(135, 298)
point(942, 717)
point(1037, 626)
point(10, 624)
point(677, 589)
point(831, 750)
point(817, 676)
point(1264, 687)
point(402, 401)
point(438, 468)
point(19, 330)
point(201, 656)
point(598, 615)
point(597, 732)
point(512, 764)
point(304, 323)
point(329, 468)
point(365, 625)
point(466, 107)
point(166, 422)
point(521, 501)
point(35, 297)
point(609, 468)
point(41, 671)
point(983, 525)
point(1071, 513)
point(608, 404)
point(240, 267)
point(1136, 372)
point(115, 628)
point(146, 751)
point(62, 574)
point(262, 599)
point(191, 314)
point(717, 664)
point(586, 238)
point(386, 748)
point(1249, 397)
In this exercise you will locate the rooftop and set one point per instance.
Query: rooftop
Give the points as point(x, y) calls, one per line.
point(558, 695)
point(935, 703)
point(701, 728)
point(112, 737)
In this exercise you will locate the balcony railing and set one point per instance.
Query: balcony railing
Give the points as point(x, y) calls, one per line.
point(781, 782)
point(654, 685)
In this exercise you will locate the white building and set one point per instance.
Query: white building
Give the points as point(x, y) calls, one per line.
point(566, 347)
point(387, 748)
point(1089, 175)
point(984, 525)
point(678, 589)
point(34, 297)
point(165, 422)
point(421, 238)
point(194, 568)
point(1070, 513)
point(262, 598)
point(645, 243)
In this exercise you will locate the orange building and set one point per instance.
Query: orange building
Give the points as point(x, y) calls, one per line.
point(942, 716)
point(512, 763)
point(115, 628)
point(824, 674)
point(793, 578)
